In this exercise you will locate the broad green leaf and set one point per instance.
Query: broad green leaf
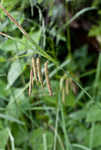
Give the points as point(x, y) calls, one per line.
point(3, 138)
point(36, 139)
point(96, 137)
point(8, 45)
point(18, 107)
point(12, 109)
point(14, 72)
point(94, 114)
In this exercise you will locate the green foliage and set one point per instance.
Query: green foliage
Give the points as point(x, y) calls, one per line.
point(14, 72)
point(71, 118)
point(37, 138)
point(4, 138)
point(94, 114)
point(96, 137)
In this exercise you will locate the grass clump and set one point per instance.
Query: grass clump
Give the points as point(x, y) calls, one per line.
point(55, 52)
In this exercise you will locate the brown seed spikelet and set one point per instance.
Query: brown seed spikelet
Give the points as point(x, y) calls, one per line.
point(74, 88)
point(34, 68)
point(67, 86)
point(32, 77)
point(47, 79)
point(30, 82)
point(63, 95)
point(39, 71)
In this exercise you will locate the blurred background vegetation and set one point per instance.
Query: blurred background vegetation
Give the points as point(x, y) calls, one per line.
point(67, 33)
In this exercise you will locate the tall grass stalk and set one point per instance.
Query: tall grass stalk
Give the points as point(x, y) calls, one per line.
point(67, 143)
point(11, 139)
point(56, 124)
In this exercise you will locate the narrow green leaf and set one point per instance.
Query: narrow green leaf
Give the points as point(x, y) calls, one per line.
point(6, 117)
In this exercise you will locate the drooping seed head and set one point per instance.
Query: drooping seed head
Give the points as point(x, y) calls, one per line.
point(39, 71)
point(47, 79)
point(34, 68)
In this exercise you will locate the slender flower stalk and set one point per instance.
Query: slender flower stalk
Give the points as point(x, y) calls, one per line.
point(47, 79)
point(39, 71)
